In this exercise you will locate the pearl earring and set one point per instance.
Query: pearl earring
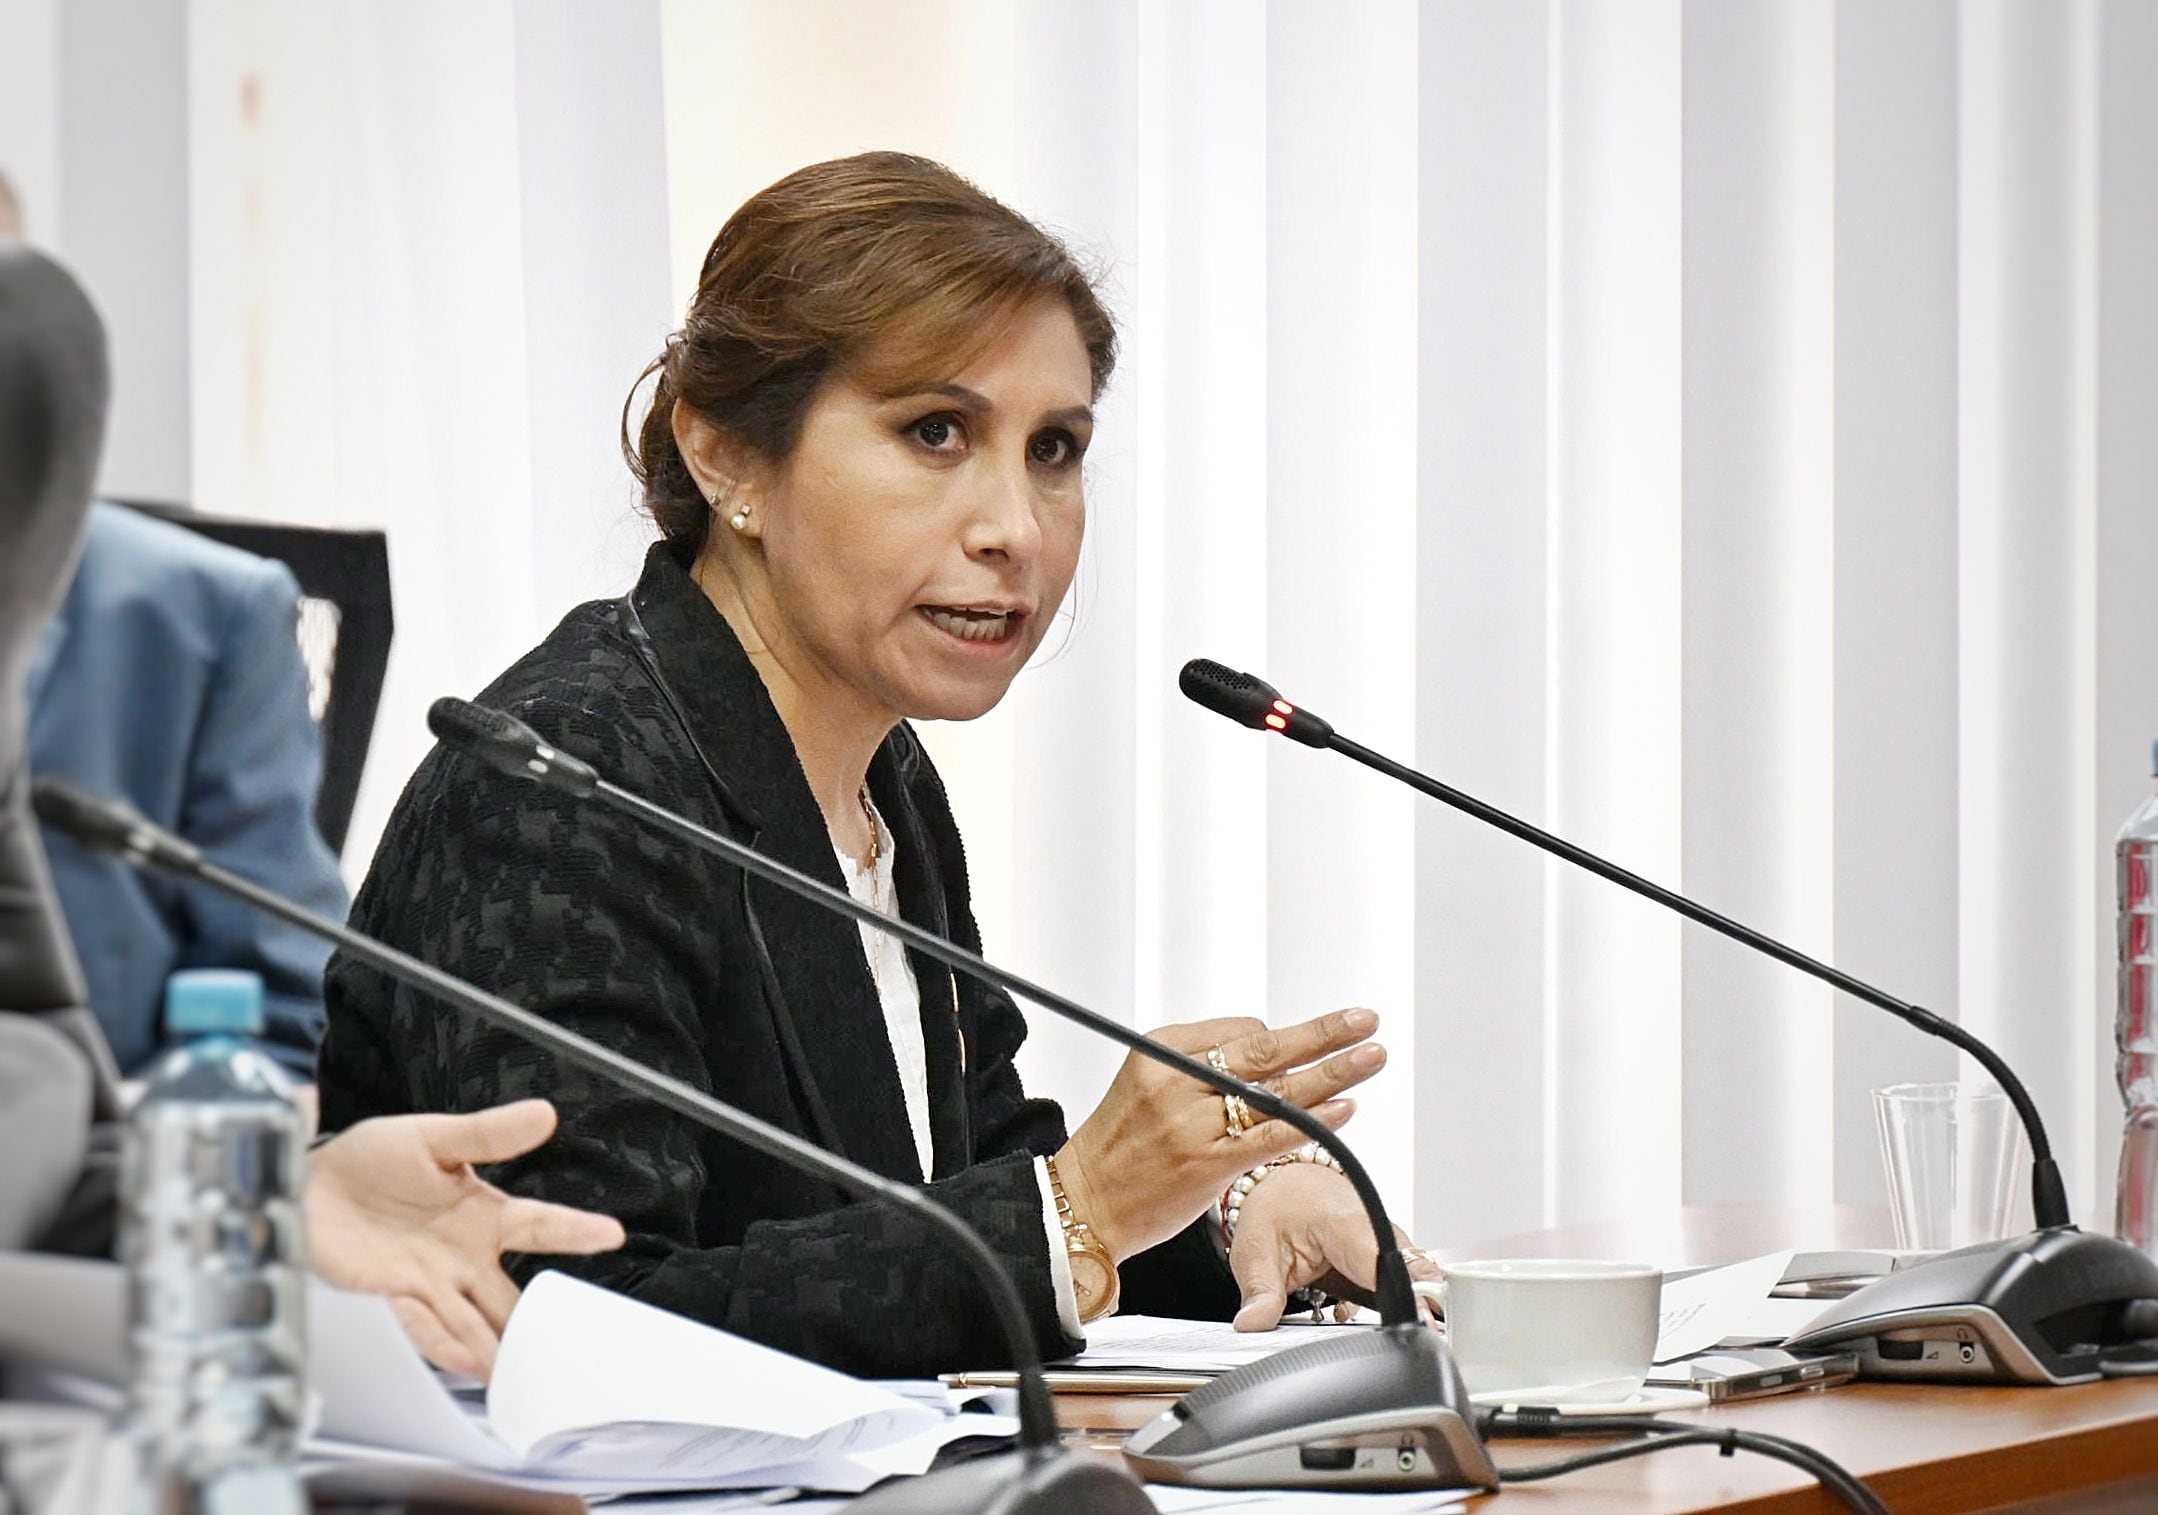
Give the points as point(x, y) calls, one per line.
point(740, 519)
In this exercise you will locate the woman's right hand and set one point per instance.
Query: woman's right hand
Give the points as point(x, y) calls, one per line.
point(1157, 1149)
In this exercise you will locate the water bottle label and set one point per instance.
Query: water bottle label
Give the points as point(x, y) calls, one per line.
point(2135, 1023)
point(2137, 1075)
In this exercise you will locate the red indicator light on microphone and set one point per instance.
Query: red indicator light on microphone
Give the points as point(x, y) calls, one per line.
point(1277, 723)
point(1284, 707)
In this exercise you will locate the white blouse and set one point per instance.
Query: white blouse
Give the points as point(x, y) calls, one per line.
point(893, 976)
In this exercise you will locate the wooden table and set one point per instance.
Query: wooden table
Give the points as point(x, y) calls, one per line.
point(1922, 1448)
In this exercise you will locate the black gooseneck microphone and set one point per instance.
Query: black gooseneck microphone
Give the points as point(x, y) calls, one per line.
point(1252, 702)
point(1387, 1404)
point(1040, 1478)
point(1982, 1314)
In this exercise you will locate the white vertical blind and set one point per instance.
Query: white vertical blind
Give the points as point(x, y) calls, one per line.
point(93, 133)
point(596, 308)
point(1757, 643)
point(1196, 368)
point(1720, 432)
point(1483, 1086)
point(360, 207)
point(1613, 658)
point(30, 125)
point(2026, 552)
point(271, 203)
point(1338, 423)
point(1893, 710)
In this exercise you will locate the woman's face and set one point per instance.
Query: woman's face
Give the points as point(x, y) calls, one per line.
point(912, 550)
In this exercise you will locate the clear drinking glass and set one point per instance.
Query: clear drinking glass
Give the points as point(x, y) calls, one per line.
point(1954, 1155)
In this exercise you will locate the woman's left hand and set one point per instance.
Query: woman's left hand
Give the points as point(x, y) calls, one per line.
point(1302, 1225)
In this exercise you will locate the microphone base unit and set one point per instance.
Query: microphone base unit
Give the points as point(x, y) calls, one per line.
point(2058, 1306)
point(1370, 1409)
point(1023, 1482)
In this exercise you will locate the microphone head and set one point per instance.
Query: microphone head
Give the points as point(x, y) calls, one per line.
point(1250, 701)
point(96, 823)
point(465, 726)
point(1224, 691)
point(507, 745)
point(114, 826)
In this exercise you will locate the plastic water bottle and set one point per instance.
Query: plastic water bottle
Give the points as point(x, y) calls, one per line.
point(210, 1231)
point(2135, 1024)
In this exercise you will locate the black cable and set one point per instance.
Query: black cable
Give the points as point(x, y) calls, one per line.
point(1831, 1477)
point(1658, 1435)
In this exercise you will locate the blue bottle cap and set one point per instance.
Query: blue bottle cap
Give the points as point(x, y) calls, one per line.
point(214, 1002)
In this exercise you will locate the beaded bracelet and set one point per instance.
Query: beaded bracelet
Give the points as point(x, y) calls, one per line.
point(1232, 1198)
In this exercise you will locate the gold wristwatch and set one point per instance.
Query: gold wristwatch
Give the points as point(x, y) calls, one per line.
point(1094, 1280)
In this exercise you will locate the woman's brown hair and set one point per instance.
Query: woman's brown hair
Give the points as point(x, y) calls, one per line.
point(881, 259)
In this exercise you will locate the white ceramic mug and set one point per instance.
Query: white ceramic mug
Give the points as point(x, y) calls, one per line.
point(1551, 1329)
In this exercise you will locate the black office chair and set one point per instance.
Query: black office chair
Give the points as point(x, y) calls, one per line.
point(345, 630)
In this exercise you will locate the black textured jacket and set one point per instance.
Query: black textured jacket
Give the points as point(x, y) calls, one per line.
point(725, 982)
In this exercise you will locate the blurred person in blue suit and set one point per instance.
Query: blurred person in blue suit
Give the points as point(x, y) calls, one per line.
point(172, 678)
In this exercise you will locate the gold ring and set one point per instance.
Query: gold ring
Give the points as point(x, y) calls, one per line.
point(1415, 1254)
point(1236, 1114)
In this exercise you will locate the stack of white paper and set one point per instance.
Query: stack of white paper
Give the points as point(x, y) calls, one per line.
point(596, 1393)
point(1186, 1346)
point(1705, 1308)
point(593, 1393)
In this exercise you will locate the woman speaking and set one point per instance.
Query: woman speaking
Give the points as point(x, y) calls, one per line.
point(865, 454)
